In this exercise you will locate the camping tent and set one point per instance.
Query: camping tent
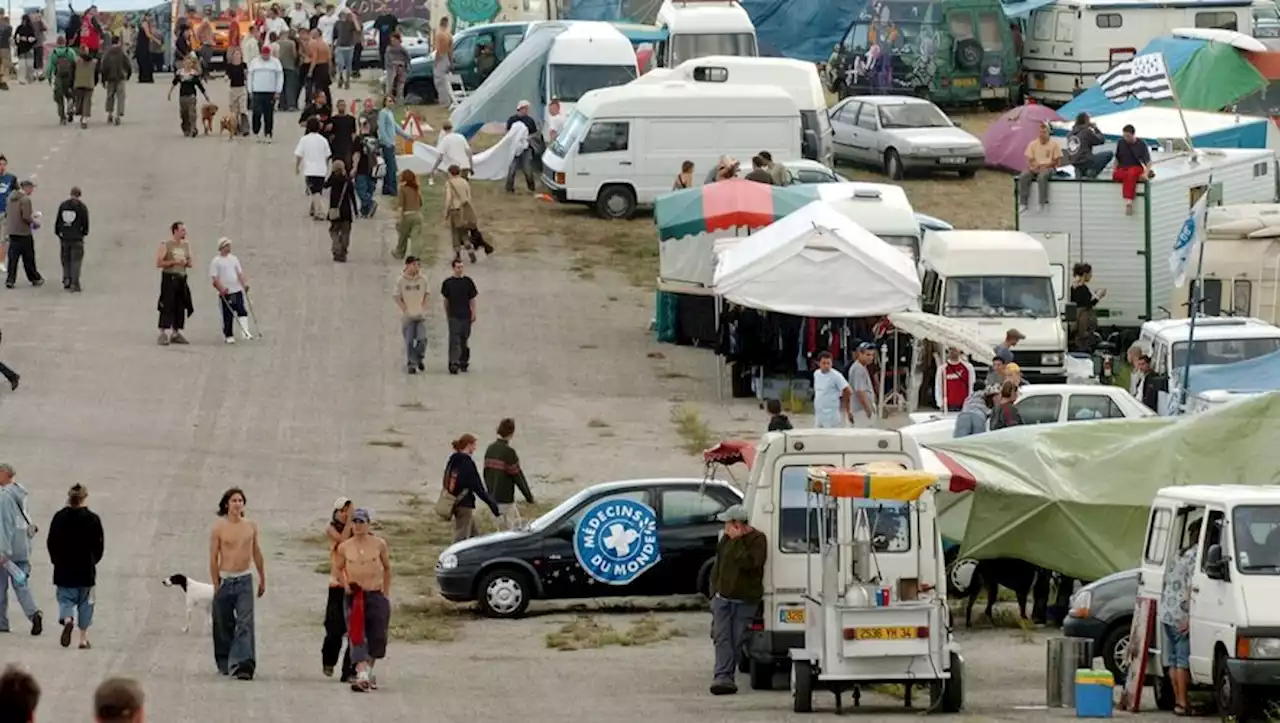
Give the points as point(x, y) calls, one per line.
point(1006, 140)
point(818, 263)
point(1207, 75)
point(1075, 497)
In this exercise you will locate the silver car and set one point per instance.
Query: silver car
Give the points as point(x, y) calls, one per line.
point(901, 135)
point(415, 34)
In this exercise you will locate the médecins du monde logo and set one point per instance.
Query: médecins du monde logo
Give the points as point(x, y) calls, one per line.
point(617, 540)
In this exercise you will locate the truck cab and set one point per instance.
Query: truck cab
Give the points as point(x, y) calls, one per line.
point(699, 28)
point(1000, 280)
point(1234, 622)
point(1218, 340)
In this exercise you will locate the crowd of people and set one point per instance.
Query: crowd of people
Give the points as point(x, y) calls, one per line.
point(1045, 157)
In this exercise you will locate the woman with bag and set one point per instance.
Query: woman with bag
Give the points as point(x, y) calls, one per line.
point(462, 485)
point(464, 227)
point(342, 209)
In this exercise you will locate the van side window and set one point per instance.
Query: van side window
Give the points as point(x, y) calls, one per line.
point(464, 52)
point(606, 137)
point(1184, 535)
point(1042, 25)
point(1091, 406)
point(1157, 536)
point(1212, 535)
point(1241, 297)
point(932, 288)
point(510, 41)
point(797, 513)
point(711, 75)
point(1222, 20)
point(1110, 20)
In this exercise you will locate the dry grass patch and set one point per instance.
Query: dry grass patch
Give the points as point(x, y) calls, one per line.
point(391, 443)
point(597, 423)
point(586, 632)
point(694, 433)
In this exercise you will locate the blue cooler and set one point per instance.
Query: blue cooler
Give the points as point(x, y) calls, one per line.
point(1094, 697)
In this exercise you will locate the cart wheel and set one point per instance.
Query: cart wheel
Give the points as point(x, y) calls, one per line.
point(953, 688)
point(803, 688)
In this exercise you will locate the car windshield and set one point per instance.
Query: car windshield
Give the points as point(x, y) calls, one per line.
point(913, 115)
point(570, 82)
point(1257, 539)
point(574, 128)
point(1213, 352)
point(687, 46)
point(559, 511)
point(1029, 297)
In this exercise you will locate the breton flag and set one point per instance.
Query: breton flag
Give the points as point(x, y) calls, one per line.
point(1145, 78)
point(1189, 238)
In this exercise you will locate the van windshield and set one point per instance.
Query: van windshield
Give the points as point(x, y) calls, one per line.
point(574, 128)
point(687, 46)
point(570, 82)
point(1026, 297)
point(1212, 352)
point(909, 245)
point(1257, 539)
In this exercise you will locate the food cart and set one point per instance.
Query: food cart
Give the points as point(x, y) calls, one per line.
point(876, 612)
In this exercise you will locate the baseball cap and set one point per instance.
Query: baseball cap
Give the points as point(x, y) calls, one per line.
point(224, 242)
point(736, 513)
point(340, 503)
point(866, 346)
point(1015, 334)
point(360, 515)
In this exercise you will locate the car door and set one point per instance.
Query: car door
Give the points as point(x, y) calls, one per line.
point(1083, 407)
point(1212, 601)
point(688, 530)
point(464, 61)
point(843, 117)
point(604, 154)
point(561, 575)
point(869, 141)
point(1040, 409)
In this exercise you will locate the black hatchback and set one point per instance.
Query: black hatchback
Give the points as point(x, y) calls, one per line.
point(617, 539)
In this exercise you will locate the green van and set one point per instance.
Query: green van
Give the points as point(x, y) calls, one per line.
point(957, 52)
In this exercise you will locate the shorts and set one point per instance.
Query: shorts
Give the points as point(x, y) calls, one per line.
point(1178, 645)
point(315, 184)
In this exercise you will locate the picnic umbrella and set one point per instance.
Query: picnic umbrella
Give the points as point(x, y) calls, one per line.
point(735, 203)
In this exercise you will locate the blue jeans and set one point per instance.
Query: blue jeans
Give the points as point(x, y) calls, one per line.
point(232, 306)
point(968, 423)
point(76, 603)
point(343, 57)
point(233, 647)
point(389, 181)
point(1092, 167)
point(364, 193)
point(23, 592)
point(415, 339)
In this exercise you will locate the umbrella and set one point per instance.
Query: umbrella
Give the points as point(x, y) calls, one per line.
point(738, 203)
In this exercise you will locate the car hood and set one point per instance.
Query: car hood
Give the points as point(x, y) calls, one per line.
point(935, 137)
point(1113, 578)
point(485, 540)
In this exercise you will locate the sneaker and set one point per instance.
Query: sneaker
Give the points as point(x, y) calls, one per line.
point(453, 369)
point(243, 674)
point(178, 338)
point(231, 340)
point(8, 284)
point(111, 120)
point(413, 369)
point(37, 623)
point(84, 123)
point(421, 367)
point(723, 687)
point(118, 119)
point(67, 626)
point(373, 208)
point(163, 339)
point(13, 383)
point(75, 288)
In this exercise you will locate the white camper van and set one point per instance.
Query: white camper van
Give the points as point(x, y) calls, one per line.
point(622, 147)
point(1130, 254)
point(798, 78)
point(1069, 43)
point(698, 28)
point(1000, 280)
point(585, 57)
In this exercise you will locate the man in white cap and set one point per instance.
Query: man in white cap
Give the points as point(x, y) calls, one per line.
point(231, 284)
point(337, 531)
point(525, 130)
point(737, 585)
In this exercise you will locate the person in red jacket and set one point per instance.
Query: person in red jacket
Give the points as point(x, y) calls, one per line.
point(954, 382)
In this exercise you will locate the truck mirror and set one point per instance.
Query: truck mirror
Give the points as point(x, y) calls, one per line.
point(1215, 566)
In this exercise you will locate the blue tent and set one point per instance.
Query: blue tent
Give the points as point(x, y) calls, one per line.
point(1260, 374)
point(1177, 51)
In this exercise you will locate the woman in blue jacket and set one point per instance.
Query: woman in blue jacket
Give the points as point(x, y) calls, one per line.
point(463, 480)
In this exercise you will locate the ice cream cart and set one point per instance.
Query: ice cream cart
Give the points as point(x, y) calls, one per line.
point(876, 608)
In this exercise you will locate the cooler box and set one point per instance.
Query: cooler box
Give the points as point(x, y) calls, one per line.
point(1094, 693)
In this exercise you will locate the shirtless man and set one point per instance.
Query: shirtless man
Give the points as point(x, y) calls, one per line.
point(321, 64)
point(443, 62)
point(364, 568)
point(234, 550)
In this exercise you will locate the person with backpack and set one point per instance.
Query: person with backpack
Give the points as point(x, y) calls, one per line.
point(85, 78)
point(61, 73)
point(71, 227)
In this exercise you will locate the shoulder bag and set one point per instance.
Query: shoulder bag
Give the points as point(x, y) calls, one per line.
point(335, 214)
point(448, 500)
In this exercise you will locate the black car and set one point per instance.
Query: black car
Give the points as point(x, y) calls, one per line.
point(664, 532)
point(1102, 611)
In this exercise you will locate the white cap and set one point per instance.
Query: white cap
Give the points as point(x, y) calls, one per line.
point(223, 242)
point(340, 503)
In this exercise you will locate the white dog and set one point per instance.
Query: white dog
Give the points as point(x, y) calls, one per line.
point(199, 596)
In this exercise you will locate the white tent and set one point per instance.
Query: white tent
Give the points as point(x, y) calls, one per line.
point(816, 262)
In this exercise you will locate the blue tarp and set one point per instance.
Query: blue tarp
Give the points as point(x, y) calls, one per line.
point(1177, 51)
point(1260, 374)
point(1241, 133)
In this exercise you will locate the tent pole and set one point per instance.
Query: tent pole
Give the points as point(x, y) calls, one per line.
point(717, 358)
point(1173, 90)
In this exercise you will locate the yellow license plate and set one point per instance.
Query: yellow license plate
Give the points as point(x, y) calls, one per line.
point(965, 82)
point(885, 634)
point(1039, 83)
point(791, 615)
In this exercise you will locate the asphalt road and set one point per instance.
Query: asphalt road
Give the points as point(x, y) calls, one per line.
point(157, 434)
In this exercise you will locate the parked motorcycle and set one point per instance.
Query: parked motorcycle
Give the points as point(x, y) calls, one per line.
point(1104, 355)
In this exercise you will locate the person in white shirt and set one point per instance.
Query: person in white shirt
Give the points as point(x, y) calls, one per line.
point(454, 151)
point(266, 80)
point(326, 24)
point(312, 163)
point(231, 284)
point(276, 24)
point(555, 121)
point(299, 18)
point(831, 395)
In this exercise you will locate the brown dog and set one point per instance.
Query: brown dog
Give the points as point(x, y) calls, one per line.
point(231, 125)
point(208, 112)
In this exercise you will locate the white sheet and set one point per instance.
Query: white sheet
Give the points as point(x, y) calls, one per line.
point(489, 165)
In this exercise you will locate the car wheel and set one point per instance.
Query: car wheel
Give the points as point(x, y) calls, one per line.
point(504, 593)
point(616, 203)
point(1115, 649)
point(802, 688)
point(760, 674)
point(1230, 696)
point(893, 165)
point(953, 687)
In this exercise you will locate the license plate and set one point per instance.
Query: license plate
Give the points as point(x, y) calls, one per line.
point(885, 634)
point(1039, 83)
point(793, 616)
point(965, 82)
point(953, 161)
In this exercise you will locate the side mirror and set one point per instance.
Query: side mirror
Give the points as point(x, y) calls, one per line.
point(1215, 566)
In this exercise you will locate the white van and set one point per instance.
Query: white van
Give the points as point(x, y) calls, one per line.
point(585, 57)
point(797, 77)
point(1218, 340)
point(623, 147)
point(885, 211)
point(1235, 622)
point(1069, 43)
point(698, 28)
point(1001, 280)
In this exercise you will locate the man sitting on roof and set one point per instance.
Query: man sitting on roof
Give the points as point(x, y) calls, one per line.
point(1081, 140)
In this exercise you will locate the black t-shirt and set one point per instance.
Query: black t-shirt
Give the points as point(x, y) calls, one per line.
point(368, 147)
point(458, 291)
point(386, 25)
point(315, 22)
point(236, 74)
point(343, 134)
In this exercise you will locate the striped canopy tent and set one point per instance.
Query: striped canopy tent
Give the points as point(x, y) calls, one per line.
point(1207, 75)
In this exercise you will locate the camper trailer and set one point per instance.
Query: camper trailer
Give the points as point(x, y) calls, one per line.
point(698, 28)
point(1241, 274)
point(1069, 43)
point(798, 78)
point(1130, 253)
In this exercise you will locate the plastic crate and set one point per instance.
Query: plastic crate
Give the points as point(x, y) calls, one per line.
point(1094, 693)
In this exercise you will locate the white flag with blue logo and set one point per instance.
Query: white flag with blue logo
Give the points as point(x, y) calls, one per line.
point(1189, 238)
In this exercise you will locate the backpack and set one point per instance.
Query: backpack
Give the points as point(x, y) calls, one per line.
point(65, 68)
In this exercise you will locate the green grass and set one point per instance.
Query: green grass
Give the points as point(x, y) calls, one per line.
point(694, 433)
point(586, 632)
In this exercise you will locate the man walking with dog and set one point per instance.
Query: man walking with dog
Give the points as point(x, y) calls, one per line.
point(16, 531)
point(234, 551)
point(364, 568)
point(75, 543)
point(266, 82)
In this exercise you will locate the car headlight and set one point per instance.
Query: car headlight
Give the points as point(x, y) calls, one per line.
point(1259, 647)
point(447, 561)
point(1051, 360)
point(1080, 603)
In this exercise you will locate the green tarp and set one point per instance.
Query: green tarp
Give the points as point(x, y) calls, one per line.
point(1075, 497)
point(1217, 77)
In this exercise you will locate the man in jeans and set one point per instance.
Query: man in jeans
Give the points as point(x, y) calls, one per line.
point(345, 33)
point(16, 531)
point(388, 129)
point(234, 550)
point(266, 81)
point(287, 53)
point(365, 162)
point(1175, 618)
point(459, 293)
point(737, 585)
point(411, 297)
